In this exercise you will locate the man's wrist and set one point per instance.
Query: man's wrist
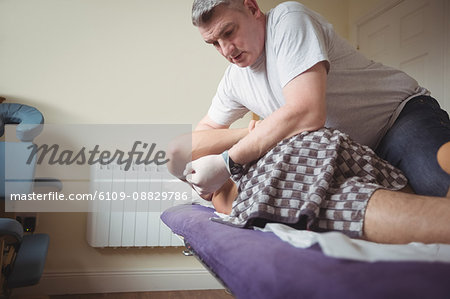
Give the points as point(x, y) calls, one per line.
point(232, 167)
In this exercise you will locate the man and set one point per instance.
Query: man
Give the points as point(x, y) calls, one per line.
point(291, 68)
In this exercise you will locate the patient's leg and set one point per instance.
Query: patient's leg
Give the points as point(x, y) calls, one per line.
point(223, 198)
point(397, 217)
point(443, 157)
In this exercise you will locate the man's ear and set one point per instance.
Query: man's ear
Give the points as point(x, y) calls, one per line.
point(252, 6)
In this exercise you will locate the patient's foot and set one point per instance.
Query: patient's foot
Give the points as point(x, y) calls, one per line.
point(443, 157)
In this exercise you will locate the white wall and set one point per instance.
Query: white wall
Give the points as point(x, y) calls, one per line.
point(100, 61)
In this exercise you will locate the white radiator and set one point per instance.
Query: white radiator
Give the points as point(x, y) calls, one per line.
point(128, 204)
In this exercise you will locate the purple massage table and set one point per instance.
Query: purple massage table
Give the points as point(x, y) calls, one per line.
point(255, 264)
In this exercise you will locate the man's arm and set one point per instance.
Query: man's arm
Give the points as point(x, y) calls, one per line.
point(305, 110)
point(206, 123)
point(208, 138)
point(203, 142)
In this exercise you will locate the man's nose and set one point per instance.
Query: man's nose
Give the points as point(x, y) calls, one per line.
point(227, 48)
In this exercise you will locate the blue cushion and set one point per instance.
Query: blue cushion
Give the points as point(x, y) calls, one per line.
point(16, 175)
point(30, 260)
point(30, 120)
point(11, 227)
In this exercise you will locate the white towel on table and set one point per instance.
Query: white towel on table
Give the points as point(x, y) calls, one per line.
point(338, 245)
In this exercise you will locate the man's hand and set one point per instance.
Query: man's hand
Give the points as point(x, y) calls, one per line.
point(207, 174)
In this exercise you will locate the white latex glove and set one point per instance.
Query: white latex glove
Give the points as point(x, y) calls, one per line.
point(207, 174)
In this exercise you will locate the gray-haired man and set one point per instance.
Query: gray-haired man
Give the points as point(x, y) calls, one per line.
point(291, 68)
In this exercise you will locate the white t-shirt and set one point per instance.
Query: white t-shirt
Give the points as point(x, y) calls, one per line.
point(363, 97)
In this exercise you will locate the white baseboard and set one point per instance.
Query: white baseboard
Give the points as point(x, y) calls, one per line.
point(122, 281)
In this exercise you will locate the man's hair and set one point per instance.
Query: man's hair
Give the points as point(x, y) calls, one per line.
point(203, 10)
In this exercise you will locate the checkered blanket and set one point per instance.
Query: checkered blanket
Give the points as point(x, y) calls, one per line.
point(319, 180)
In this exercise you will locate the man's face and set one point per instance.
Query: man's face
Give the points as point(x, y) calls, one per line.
point(238, 35)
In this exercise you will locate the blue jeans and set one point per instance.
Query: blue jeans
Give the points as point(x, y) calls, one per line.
point(412, 144)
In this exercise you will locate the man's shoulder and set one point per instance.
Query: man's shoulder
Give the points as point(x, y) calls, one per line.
point(295, 10)
point(287, 7)
point(290, 5)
